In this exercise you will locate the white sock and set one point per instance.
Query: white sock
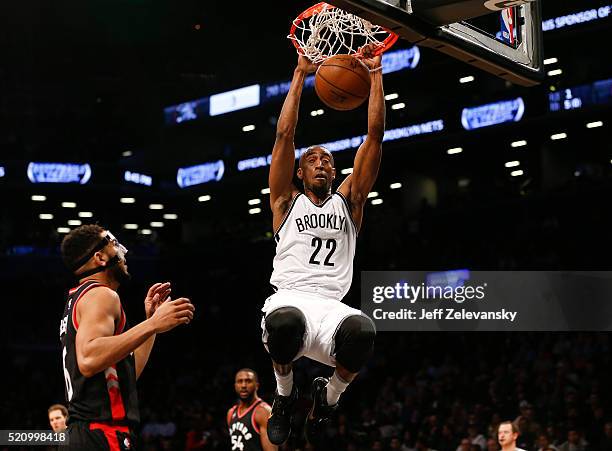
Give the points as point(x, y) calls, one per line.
point(284, 384)
point(335, 387)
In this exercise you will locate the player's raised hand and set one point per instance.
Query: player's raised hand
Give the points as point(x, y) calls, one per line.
point(369, 58)
point(157, 294)
point(304, 64)
point(172, 313)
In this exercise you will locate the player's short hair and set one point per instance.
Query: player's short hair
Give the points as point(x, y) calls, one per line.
point(515, 428)
point(79, 242)
point(249, 370)
point(59, 407)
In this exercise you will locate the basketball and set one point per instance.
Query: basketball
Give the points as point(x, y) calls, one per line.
point(342, 82)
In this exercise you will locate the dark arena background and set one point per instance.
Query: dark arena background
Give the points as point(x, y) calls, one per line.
point(122, 89)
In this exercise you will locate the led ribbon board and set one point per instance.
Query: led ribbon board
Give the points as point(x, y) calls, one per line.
point(59, 173)
point(493, 114)
point(201, 173)
point(139, 179)
point(351, 143)
point(254, 95)
point(576, 97)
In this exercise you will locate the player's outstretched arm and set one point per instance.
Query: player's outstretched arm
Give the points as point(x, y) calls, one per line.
point(357, 186)
point(262, 414)
point(157, 294)
point(97, 347)
point(283, 154)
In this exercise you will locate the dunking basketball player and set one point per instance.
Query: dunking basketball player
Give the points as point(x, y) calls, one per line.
point(100, 358)
point(248, 420)
point(315, 236)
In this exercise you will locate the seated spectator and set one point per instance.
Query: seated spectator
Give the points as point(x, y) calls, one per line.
point(575, 442)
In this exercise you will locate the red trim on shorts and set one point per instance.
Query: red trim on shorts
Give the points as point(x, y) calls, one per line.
point(248, 410)
point(110, 432)
point(116, 400)
point(75, 322)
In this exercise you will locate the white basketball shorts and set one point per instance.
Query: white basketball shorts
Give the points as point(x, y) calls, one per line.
point(323, 318)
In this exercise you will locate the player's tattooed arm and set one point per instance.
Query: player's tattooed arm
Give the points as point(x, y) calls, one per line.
point(262, 414)
point(357, 186)
point(282, 166)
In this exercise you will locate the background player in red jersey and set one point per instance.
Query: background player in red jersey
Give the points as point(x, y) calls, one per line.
point(248, 420)
point(101, 359)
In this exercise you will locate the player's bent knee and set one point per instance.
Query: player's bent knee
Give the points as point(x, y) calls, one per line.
point(285, 327)
point(354, 342)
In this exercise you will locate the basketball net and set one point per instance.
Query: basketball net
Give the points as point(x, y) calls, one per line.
point(324, 30)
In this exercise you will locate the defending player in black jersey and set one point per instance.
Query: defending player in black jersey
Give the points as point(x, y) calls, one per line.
point(248, 420)
point(100, 357)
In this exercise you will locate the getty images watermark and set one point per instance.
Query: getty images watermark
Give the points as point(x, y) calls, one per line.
point(488, 300)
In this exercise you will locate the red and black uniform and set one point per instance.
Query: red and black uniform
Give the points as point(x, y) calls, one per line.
point(243, 428)
point(102, 409)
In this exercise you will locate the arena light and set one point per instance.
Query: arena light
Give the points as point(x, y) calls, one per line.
point(127, 200)
point(127, 153)
point(45, 216)
point(74, 222)
point(594, 124)
point(63, 230)
point(468, 79)
point(520, 143)
point(512, 164)
point(516, 173)
point(549, 61)
point(395, 185)
point(554, 72)
point(454, 151)
point(377, 201)
point(85, 214)
point(69, 204)
point(392, 96)
point(319, 112)
point(170, 216)
point(145, 231)
point(157, 224)
point(130, 226)
point(558, 136)
point(265, 191)
point(204, 198)
point(254, 201)
point(398, 106)
point(248, 128)
point(372, 194)
point(2, 171)
point(38, 198)
point(156, 206)
point(346, 171)
point(254, 211)
point(463, 182)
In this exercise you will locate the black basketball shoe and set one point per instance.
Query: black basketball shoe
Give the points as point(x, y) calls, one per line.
point(279, 424)
point(320, 413)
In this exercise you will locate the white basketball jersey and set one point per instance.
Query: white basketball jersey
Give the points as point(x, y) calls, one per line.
point(315, 247)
